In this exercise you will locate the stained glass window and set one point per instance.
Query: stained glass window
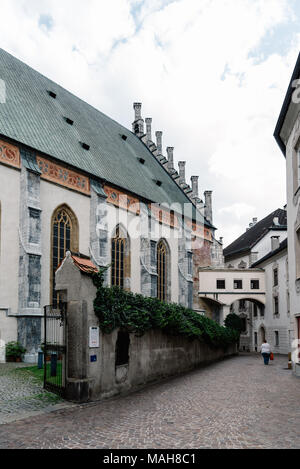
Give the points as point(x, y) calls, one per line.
point(162, 271)
point(118, 260)
point(64, 233)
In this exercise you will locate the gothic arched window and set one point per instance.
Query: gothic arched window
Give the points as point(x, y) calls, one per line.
point(120, 260)
point(64, 237)
point(162, 271)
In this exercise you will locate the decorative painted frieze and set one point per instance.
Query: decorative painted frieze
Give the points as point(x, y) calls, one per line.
point(199, 231)
point(164, 216)
point(9, 155)
point(60, 175)
point(122, 200)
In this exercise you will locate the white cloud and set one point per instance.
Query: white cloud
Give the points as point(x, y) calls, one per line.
point(191, 63)
point(239, 210)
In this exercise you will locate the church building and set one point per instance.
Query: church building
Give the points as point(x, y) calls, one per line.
point(73, 179)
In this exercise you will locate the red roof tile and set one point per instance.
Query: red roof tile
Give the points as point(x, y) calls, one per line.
point(85, 265)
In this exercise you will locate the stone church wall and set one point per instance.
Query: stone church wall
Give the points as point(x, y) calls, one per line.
point(32, 188)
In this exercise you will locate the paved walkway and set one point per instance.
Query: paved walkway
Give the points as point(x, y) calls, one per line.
point(22, 395)
point(238, 403)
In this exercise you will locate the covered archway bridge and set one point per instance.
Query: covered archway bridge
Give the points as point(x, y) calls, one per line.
point(220, 288)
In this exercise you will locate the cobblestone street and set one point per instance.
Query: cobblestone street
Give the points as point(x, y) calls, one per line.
point(237, 403)
point(22, 395)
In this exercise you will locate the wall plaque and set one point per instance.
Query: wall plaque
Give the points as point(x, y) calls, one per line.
point(94, 337)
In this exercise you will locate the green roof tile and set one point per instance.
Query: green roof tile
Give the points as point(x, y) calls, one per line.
point(34, 118)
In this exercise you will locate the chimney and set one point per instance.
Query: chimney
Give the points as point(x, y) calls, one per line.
point(275, 240)
point(170, 151)
point(255, 220)
point(208, 206)
point(251, 225)
point(182, 165)
point(221, 241)
point(149, 129)
point(195, 186)
point(254, 257)
point(138, 124)
point(138, 111)
point(159, 135)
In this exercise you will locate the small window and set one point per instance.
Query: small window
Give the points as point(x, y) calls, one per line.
point(298, 161)
point(276, 305)
point(276, 339)
point(153, 253)
point(69, 121)
point(275, 276)
point(172, 218)
point(238, 284)
point(244, 324)
point(221, 284)
point(255, 338)
point(255, 312)
point(34, 294)
point(242, 305)
point(122, 349)
point(153, 286)
point(34, 226)
point(190, 263)
point(254, 284)
point(297, 237)
point(85, 146)
point(190, 295)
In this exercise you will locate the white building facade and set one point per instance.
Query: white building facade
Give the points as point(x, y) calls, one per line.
point(276, 325)
point(287, 135)
point(222, 288)
point(255, 249)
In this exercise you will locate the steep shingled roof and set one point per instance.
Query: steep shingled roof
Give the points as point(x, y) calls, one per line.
point(34, 118)
point(85, 265)
point(246, 242)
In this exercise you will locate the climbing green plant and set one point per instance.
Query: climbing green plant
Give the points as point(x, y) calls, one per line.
point(116, 308)
point(234, 322)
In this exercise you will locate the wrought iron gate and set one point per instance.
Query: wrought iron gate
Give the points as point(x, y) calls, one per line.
point(55, 349)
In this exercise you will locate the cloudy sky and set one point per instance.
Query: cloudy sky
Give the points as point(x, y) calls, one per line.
point(211, 73)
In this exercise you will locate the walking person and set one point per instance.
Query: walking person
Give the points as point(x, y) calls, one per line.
point(266, 352)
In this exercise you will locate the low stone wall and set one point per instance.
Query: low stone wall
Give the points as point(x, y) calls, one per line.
point(152, 357)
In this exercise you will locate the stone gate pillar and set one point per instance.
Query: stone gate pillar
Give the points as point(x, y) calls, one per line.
point(78, 292)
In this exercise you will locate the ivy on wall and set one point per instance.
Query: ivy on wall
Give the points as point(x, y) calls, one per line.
point(116, 308)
